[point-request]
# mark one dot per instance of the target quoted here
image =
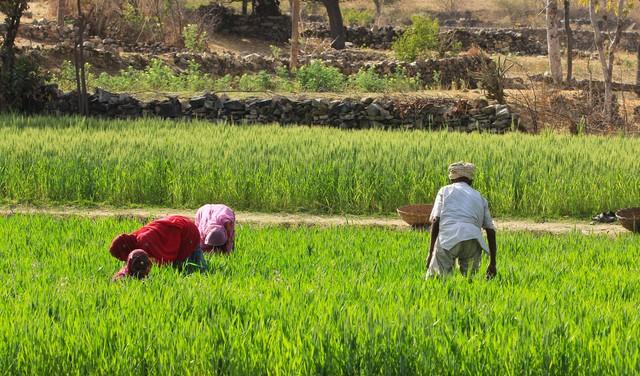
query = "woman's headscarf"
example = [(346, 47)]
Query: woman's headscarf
[(122, 246)]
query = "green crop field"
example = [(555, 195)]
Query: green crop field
[(315, 301), (50, 161)]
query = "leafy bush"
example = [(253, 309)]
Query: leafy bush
[(156, 77), (66, 79), (260, 81), (368, 80), (318, 77), (195, 40), (420, 38), (224, 83), (20, 88), (315, 77), (399, 81), (358, 17)]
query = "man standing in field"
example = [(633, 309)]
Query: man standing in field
[(459, 213), (171, 240)]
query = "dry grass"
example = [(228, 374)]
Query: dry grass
[(583, 67)]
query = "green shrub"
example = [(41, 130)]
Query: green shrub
[(66, 79), (420, 38), (318, 77), (156, 77), (399, 81), (260, 81), (224, 83), (368, 80), (358, 17), (195, 40), (20, 87)]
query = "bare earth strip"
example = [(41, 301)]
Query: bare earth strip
[(278, 219)]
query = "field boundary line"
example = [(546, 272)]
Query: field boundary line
[(301, 219)]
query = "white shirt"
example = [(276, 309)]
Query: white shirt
[(463, 213)]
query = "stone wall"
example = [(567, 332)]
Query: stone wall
[(531, 41), (219, 19), (460, 115), (523, 41), (448, 71)]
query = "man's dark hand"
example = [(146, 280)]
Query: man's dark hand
[(491, 271)]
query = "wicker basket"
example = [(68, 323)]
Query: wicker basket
[(629, 218), (416, 215)]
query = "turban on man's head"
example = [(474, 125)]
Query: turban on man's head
[(216, 236), (138, 264), (122, 246), (462, 170)]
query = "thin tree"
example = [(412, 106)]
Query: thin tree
[(569, 34), (553, 41), (606, 53), (60, 12), (295, 34), (81, 79), (378, 5), (637, 90)]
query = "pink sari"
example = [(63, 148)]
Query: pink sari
[(216, 214)]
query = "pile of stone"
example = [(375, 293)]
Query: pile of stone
[(46, 31), (452, 114)]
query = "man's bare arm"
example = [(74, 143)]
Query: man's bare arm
[(435, 230)]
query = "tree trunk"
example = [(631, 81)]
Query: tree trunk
[(553, 41), (295, 34), (637, 91), (245, 5), (606, 55), (7, 51), (336, 26), (267, 8), (60, 13), (569, 32), (81, 79), (378, 4)]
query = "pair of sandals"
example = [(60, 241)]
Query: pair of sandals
[(605, 217)]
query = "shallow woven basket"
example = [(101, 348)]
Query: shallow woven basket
[(416, 215), (629, 218)]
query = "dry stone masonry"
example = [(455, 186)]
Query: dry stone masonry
[(522, 41), (386, 113), (441, 72)]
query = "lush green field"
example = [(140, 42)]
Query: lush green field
[(50, 161), (315, 301)]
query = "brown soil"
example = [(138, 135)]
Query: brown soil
[(281, 219)]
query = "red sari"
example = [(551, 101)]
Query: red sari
[(168, 239)]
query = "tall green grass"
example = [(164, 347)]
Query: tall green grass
[(300, 169), (315, 301)]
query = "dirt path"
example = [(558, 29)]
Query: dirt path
[(273, 219)]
